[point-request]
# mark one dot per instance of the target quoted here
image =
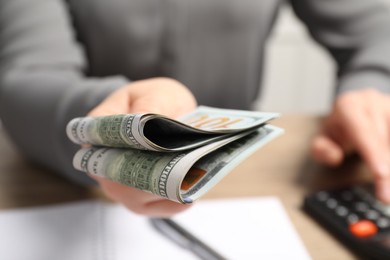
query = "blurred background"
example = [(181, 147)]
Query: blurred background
[(296, 87), (291, 86)]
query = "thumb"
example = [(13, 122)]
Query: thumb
[(326, 151), (116, 103)]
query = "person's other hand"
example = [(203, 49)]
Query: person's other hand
[(359, 122), (158, 95)]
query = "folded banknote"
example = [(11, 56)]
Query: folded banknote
[(176, 159)]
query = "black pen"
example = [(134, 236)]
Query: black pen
[(185, 239)]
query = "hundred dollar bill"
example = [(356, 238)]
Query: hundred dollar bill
[(179, 176), (158, 133)]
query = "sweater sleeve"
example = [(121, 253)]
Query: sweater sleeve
[(42, 82), (357, 34)]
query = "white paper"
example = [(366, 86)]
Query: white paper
[(245, 228), (94, 230), (90, 230)]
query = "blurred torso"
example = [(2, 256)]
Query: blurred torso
[(213, 47)]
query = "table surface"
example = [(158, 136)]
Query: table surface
[(282, 168)]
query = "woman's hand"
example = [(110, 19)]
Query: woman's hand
[(157, 95), (359, 123)]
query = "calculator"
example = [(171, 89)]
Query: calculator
[(355, 217)]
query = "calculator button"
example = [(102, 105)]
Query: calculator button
[(384, 208), (363, 228), (372, 214), (322, 196), (331, 203), (352, 218), (383, 222), (361, 206), (341, 211)]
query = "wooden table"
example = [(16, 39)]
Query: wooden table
[(282, 168)]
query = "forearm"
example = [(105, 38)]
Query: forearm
[(36, 105), (357, 35), (369, 67), (42, 80)]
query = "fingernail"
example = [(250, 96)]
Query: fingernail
[(384, 194), (383, 190), (187, 200), (383, 170)]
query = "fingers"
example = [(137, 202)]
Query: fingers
[(161, 95), (139, 201), (361, 120), (372, 149), (157, 95), (366, 130), (382, 188), (326, 151), (163, 208), (116, 103)]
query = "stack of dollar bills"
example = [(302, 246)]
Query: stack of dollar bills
[(176, 159)]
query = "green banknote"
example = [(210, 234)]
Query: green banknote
[(178, 176), (158, 133)]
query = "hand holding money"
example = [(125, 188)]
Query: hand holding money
[(138, 201), (161, 95), (176, 160), (164, 96)]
